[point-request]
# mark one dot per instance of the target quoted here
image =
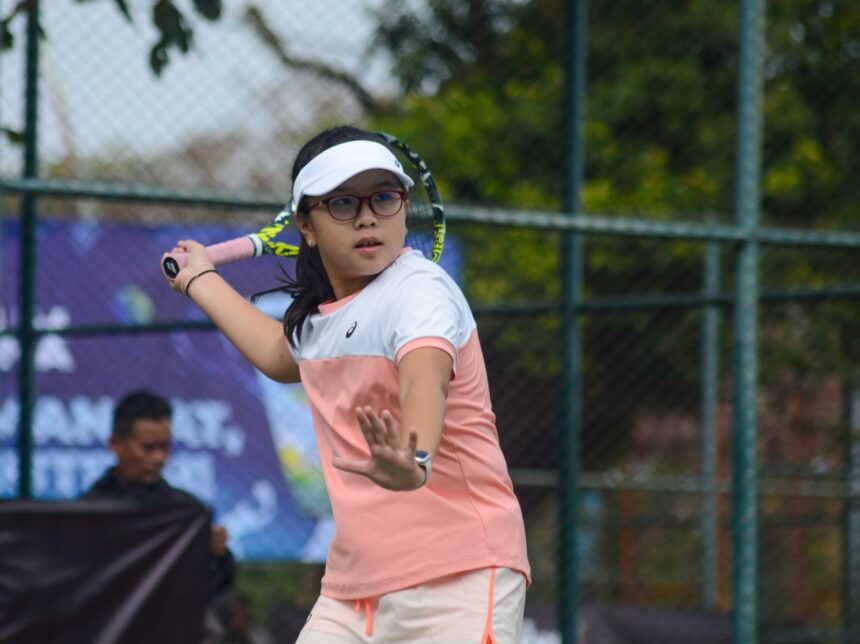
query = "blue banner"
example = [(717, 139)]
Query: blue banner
[(242, 443)]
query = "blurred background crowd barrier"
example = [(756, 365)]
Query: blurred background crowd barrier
[(653, 210)]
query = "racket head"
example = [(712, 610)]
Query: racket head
[(425, 218)]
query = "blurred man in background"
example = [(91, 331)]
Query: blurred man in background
[(141, 440)]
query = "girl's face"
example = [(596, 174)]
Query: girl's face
[(355, 251)]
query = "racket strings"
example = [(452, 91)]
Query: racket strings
[(419, 221), (424, 219)]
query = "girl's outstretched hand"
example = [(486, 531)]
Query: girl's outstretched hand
[(391, 464), (198, 261)]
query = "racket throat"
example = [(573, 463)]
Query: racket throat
[(258, 244)]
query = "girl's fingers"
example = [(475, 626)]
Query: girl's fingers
[(365, 426), (371, 426), (196, 251), (390, 464), (377, 426), (356, 467), (382, 433), (391, 429)]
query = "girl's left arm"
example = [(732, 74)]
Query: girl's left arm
[(425, 374)]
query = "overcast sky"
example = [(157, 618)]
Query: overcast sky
[(98, 92)]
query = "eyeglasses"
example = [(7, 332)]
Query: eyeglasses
[(385, 203)]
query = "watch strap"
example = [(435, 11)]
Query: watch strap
[(423, 460)]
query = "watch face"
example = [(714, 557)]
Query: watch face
[(421, 456)]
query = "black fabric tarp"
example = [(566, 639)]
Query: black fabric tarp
[(102, 572), (643, 625)]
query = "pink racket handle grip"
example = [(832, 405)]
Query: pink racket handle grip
[(220, 254)]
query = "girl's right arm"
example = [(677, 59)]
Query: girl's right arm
[(257, 336)]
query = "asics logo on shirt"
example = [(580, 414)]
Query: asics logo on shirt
[(351, 329)]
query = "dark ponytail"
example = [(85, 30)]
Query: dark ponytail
[(311, 286)]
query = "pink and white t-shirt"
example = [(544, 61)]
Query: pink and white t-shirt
[(467, 516)]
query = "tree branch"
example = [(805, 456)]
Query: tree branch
[(254, 17)]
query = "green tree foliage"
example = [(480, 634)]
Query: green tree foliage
[(483, 99), (487, 77)]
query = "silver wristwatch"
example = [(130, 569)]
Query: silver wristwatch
[(424, 461)]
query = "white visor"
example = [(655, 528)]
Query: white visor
[(330, 168)]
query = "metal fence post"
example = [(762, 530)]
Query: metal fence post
[(571, 335), (26, 335), (746, 296), (710, 390)]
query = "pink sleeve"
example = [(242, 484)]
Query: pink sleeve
[(436, 343)]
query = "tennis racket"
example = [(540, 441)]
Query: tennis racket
[(425, 222)]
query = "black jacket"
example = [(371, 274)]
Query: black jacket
[(111, 486)]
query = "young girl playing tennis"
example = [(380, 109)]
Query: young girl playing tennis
[(429, 543)]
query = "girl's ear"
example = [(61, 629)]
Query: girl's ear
[(304, 225)]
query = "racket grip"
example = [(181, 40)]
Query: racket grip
[(220, 254)]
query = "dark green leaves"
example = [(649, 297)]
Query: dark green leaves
[(123, 7), (7, 40), (210, 9), (174, 30), (172, 24), (13, 136)]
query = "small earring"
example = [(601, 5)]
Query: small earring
[(311, 243)]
